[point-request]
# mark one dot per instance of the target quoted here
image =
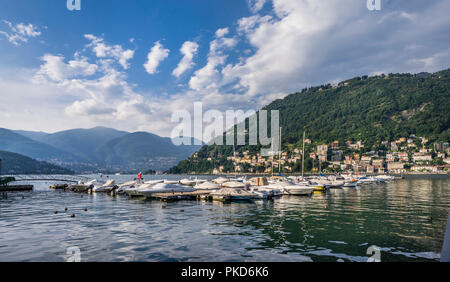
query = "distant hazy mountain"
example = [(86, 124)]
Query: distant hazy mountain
[(13, 163), (82, 143), (143, 150), (34, 135), (16, 143)]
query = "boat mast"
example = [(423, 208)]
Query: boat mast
[(303, 155), (272, 153), (279, 154), (234, 160)]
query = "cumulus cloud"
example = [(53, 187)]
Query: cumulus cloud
[(189, 50), (103, 50), (20, 33), (156, 55), (57, 70), (209, 76)]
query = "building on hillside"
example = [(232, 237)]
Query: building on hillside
[(378, 163), (366, 160), (335, 145), (403, 157), (396, 167), (337, 155), (422, 158), (424, 168)]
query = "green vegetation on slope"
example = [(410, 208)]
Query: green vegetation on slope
[(13, 163)]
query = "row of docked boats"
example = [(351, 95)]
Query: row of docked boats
[(231, 188)]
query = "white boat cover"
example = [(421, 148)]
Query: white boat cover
[(165, 188), (153, 182), (207, 186), (233, 184), (188, 182), (233, 192), (220, 180)]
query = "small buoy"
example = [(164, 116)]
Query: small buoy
[(23, 198), (56, 212), (86, 210), (73, 215), (66, 209), (181, 210)]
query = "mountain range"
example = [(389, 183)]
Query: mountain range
[(96, 149)]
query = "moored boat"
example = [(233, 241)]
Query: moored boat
[(165, 188)]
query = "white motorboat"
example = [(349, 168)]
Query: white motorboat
[(153, 182), (188, 182), (385, 177), (165, 188), (106, 187), (367, 180), (207, 186), (298, 190), (233, 184), (260, 194), (237, 194), (220, 180), (271, 192), (350, 184), (134, 191), (289, 188), (127, 185)]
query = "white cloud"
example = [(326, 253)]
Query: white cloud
[(189, 50), (209, 77), (20, 33), (57, 70), (102, 50), (155, 57), (256, 5)]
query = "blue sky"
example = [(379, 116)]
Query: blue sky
[(131, 64)]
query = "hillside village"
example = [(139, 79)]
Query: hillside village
[(406, 155)]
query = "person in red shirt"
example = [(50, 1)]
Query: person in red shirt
[(140, 176)]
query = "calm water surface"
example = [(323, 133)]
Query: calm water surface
[(405, 219)]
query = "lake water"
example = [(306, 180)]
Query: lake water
[(405, 219)]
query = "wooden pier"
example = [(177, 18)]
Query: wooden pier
[(16, 188), (170, 197)]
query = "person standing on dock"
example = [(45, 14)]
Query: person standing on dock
[(139, 177)]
